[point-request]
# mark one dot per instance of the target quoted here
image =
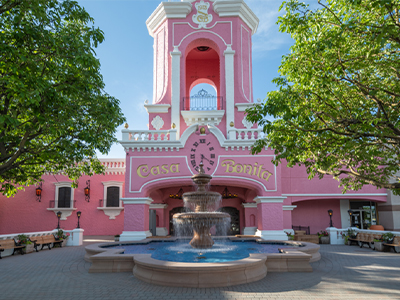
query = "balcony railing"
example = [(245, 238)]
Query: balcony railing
[(203, 101), (53, 202)]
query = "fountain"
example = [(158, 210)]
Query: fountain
[(202, 220)]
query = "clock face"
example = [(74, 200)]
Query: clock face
[(202, 151)]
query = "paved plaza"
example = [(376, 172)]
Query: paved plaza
[(344, 272)]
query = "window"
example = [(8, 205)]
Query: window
[(112, 196), (64, 197)]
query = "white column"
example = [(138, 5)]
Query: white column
[(344, 214), (176, 88), (230, 86), (76, 237)]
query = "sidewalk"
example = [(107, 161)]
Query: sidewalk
[(344, 272)]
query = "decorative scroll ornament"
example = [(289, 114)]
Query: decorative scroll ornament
[(202, 17), (247, 123), (157, 123)]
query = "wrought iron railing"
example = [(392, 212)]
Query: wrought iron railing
[(52, 204), (203, 101)]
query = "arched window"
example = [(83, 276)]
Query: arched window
[(203, 97)]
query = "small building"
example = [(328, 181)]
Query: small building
[(198, 43)]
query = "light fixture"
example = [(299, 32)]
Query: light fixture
[(351, 217), (87, 191), (59, 213), (39, 192), (330, 212), (177, 195), (79, 215), (226, 194)]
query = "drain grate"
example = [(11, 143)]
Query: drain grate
[(201, 257), (251, 248)]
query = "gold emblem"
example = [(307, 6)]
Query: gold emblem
[(202, 18)]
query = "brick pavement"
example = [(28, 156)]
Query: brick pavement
[(344, 272)]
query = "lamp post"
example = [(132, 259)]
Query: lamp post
[(59, 216), (351, 217), (330, 212), (79, 215)]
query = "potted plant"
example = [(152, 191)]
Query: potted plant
[(290, 236), (349, 233), (323, 237), (116, 238), (23, 240), (378, 244), (62, 237)]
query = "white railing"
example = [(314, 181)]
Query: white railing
[(148, 135), (245, 134), (113, 166), (75, 237), (336, 235)]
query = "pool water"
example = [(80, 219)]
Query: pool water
[(222, 251)]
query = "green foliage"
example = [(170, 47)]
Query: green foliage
[(387, 237), (337, 107), (23, 239), (54, 113), (323, 233), (60, 234)]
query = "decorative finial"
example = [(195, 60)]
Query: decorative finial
[(232, 124), (146, 102), (258, 100), (201, 170), (126, 126), (173, 126), (202, 130)]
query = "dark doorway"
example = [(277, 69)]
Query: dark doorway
[(176, 210), (235, 219)]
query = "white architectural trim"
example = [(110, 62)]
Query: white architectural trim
[(167, 10), (112, 183), (260, 199), (161, 231), (249, 205), (202, 117), (249, 230), (289, 207), (344, 214), (111, 212), (65, 212), (230, 86), (237, 8), (279, 235), (241, 61), (332, 195), (137, 201), (134, 235), (157, 108), (176, 88), (243, 106), (158, 206)]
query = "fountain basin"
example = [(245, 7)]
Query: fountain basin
[(107, 260)]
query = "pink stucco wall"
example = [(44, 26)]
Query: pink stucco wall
[(315, 214), (23, 213)]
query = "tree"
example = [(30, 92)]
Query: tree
[(337, 107), (54, 113)]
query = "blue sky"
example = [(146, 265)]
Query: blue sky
[(126, 55)]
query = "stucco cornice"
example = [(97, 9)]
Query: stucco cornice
[(167, 10), (237, 8)]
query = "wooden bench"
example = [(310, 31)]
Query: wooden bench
[(45, 241), (396, 243), (301, 236), (365, 238), (10, 244)]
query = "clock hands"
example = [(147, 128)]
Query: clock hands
[(202, 156)]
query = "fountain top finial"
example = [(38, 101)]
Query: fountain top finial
[(201, 170)]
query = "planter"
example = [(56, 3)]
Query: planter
[(64, 243), (380, 247), (28, 248), (377, 227), (324, 240)]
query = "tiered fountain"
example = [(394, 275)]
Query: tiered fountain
[(204, 216)]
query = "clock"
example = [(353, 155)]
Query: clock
[(202, 151)]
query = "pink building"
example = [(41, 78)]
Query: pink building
[(198, 42)]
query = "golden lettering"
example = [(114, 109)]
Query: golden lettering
[(142, 168), (268, 176), (229, 164), (174, 168), (237, 168), (249, 168), (153, 169), (164, 169)]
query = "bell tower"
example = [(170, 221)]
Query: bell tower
[(201, 41)]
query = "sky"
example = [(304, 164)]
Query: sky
[(126, 55)]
